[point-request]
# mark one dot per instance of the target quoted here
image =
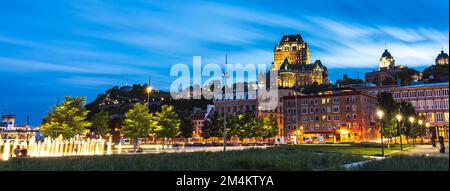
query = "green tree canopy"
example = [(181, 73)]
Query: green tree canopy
[(246, 125), (168, 122), (391, 108), (213, 126), (186, 127), (405, 75), (407, 110), (67, 119), (138, 122), (100, 123), (270, 126)]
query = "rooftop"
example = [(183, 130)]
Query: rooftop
[(426, 85), (292, 38)]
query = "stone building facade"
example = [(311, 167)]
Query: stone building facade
[(293, 48), (334, 116), (431, 101)]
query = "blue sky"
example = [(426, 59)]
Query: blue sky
[(51, 48)]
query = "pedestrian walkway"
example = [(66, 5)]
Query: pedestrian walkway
[(427, 150)]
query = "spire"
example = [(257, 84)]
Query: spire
[(226, 59), (149, 79)]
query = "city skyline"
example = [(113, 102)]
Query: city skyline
[(86, 48)]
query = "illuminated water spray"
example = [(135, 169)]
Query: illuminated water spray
[(57, 147)]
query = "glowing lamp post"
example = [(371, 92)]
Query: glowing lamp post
[(421, 130), (427, 125), (380, 115), (411, 121), (399, 129)]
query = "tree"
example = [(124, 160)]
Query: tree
[(100, 123), (67, 119), (439, 72), (168, 122), (387, 103), (186, 127), (232, 125), (405, 75), (390, 108), (407, 110), (270, 126), (347, 80), (212, 126), (315, 88), (138, 123), (245, 125)]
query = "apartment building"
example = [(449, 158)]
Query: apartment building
[(333, 116)]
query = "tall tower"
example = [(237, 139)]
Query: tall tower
[(386, 61), (293, 48)]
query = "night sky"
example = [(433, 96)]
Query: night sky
[(51, 48)]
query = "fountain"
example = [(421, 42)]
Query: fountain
[(6, 148), (57, 147), (119, 151)]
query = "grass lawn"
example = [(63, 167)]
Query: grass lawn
[(355, 149), (407, 163), (273, 158)]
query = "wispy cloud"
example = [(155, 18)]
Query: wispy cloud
[(22, 65), (89, 81), (343, 44)]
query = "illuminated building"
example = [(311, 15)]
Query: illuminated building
[(334, 116), (387, 61), (387, 70), (292, 60), (11, 130), (293, 48), (442, 58), (292, 75), (430, 101), (197, 117)]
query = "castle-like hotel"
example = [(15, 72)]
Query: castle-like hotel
[(292, 60)]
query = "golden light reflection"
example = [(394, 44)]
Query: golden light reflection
[(56, 147)]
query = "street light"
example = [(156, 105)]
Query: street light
[(148, 90), (399, 129), (421, 130), (433, 143), (380, 115), (225, 76), (411, 120)]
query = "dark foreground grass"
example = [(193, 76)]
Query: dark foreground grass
[(355, 149), (274, 158), (407, 163)]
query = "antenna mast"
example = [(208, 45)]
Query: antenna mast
[(225, 75)]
